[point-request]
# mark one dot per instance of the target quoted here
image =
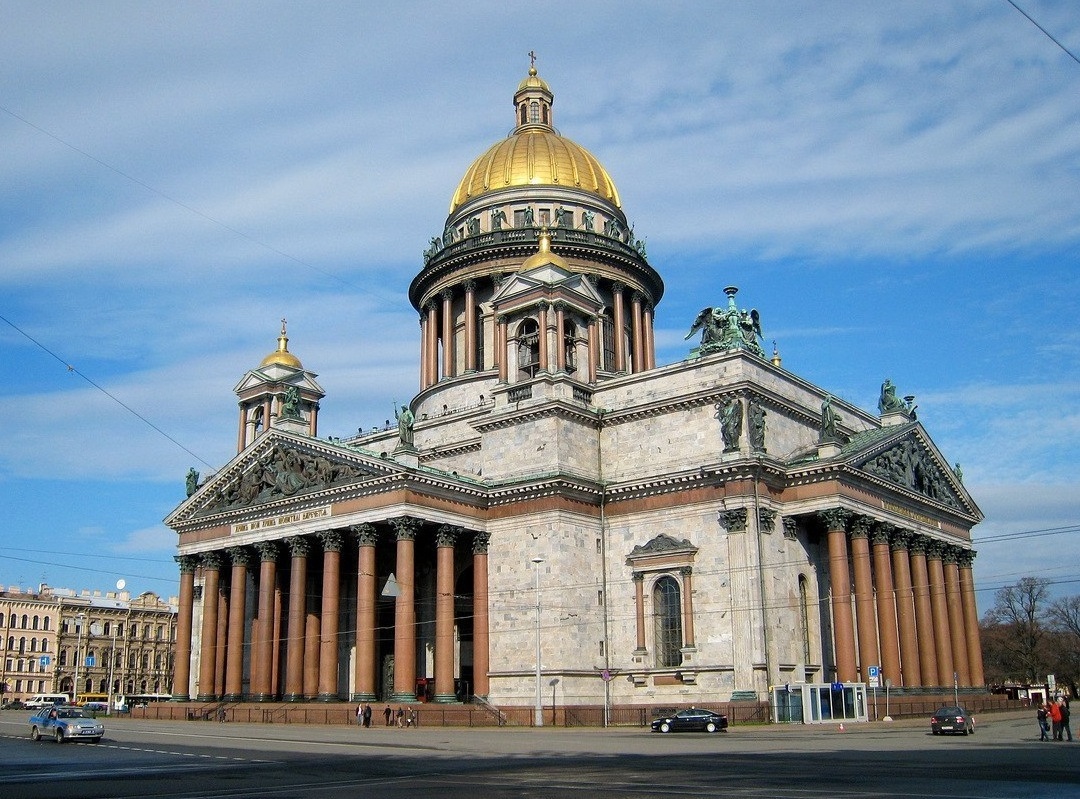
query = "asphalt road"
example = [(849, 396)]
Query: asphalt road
[(171, 760)]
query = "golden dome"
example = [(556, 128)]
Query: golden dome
[(282, 355), (544, 255), (535, 157), (534, 154)]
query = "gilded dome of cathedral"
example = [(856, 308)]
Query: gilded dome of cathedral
[(534, 154)]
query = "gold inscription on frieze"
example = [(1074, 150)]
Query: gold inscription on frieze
[(282, 519), (913, 515)]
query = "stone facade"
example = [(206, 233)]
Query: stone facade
[(689, 531)]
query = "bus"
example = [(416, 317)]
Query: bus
[(125, 702)]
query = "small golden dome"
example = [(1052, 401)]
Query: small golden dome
[(545, 256), (533, 81), (282, 355)]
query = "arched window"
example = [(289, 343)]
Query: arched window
[(1, 619), (44, 644), (105, 630), (22, 646), (36, 622), (523, 117), (25, 621), (528, 348), (33, 645), (134, 630), (667, 621), (62, 658), (45, 623), (534, 111)]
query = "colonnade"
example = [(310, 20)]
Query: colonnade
[(630, 322), (913, 610), (289, 631)]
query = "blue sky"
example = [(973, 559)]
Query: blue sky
[(894, 186)]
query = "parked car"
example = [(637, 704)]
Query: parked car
[(952, 719), (95, 707), (65, 723), (690, 720)]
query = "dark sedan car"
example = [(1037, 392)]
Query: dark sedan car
[(691, 720), (952, 719)]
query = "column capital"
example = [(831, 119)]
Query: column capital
[(734, 520), (299, 546), (686, 571), (331, 540), (480, 542), (469, 284), (790, 527), (212, 560), (638, 297), (918, 544), (617, 286), (638, 577), (366, 534), (240, 556), (900, 539), (880, 533), (446, 294), (835, 519), (966, 558), (446, 535), (860, 526), (935, 550), (187, 563), (268, 550), (405, 527), (950, 553), (766, 519)]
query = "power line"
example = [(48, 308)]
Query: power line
[(113, 397), (1045, 31)]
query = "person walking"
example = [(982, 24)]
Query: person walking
[(388, 713), (400, 717), (1063, 707), (360, 715), (1044, 722), (1055, 720), (367, 715)]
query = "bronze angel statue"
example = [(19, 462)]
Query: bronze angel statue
[(728, 328)]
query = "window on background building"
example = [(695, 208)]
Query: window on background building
[(30, 665), (22, 646), (1, 619), (36, 622), (132, 660), (33, 645), (11, 642), (45, 624), (119, 629), (146, 661), (134, 630), (106, 629), (25, 621), (61, 660), (161, 632), (667, 618), (44, 644)]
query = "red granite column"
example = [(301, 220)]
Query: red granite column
[(470, 325), (299, 549), (650, 337), (865, 612), (405, 529), (481, 657), (444, 612), (924, 619), (234, 663), (311, 641), (910, 672), (619, 323), (637, 343), (639, 611), (560, 334), (448, 332), (500, 349), (971, 617), (263, 646), (545, 350), (840, 587), (594, 349), (364, 675), (181, 689), (940, 613), (431, 358), (423, 350), (222, 639), (211, 564), (886, 605), (956, 615), (328, 625)]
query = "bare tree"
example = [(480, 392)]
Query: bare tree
[(1063, 619), (1018, 613)]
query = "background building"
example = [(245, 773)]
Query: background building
[(553, 510), (113, 644)]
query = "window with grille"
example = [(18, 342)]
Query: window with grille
[(667, 617)]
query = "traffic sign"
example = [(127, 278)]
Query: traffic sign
[(91, 660), (44, 660)]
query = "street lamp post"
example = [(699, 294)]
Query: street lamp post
[(79, 619), (538, 716)]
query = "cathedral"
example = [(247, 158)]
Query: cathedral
[(554, 511)]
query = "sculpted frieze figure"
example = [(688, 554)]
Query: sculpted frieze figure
[(498, 218), (829, 421), (756, 427), (192, 481), (290, 404), (888, 401), (908, 465), (730, 414)]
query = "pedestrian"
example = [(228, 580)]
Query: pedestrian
[(367, 715), (1065, 729), (388, 713), (360, 715), (1055, 719), (400, 717), (1044, 722)]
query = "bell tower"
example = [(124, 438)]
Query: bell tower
[(278, 393)]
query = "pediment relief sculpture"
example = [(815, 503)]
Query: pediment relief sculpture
[(909, 465), (280, 472)]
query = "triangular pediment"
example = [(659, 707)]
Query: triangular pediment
[(547, 277), (906, 457), (281, 466), (278, 375)]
